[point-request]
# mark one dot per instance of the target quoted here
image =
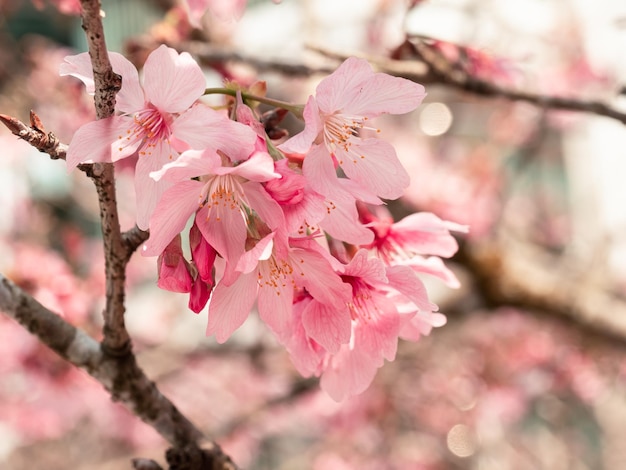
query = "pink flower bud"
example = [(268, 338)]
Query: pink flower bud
[(173, 268), (202, 254)]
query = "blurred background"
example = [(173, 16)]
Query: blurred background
[(530, 370)]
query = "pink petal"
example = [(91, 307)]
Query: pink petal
[(381, 93), (202, 254), (173, 269), (306, 355), (319, 171), (405, 281), (171, 215), (189, 164), (262, 203), (313, 271), (349, 373), (173, 82), (148, 191), (129, 99), (275, 298), (435, 267), (259, 252), (342, 223), (202, 127), (301, 143), (230, 305), (199, 295), (343, 85), (425, 233), (378, 337), (224, 227), (421, 325), (259, 167), (374, 165), (372, 270), (329, 325), (94, 141)]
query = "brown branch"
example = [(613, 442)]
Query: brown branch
[(133, 238), (107, 83), (526, 277), (35, 135), (423, 65), (120, 376)]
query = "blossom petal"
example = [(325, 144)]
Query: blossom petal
[(171, 215), (329, 325), (343, 85), (373, 164), (267, 208), (405, 281), (189, 164), (275, 298), (202, 127), (349, 373), (313, 271), (301, 142), (94, 141), (224, 227), (319, 170), (172, 81), (230, 305), (342, 223), (381, 93), (425, 233), (129, 99), (148, 191)]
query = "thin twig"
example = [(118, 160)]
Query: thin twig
[(36, 136), (427, 66)]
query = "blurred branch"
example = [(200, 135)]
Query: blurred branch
[(420, 63), (423, 64), (526, 277)]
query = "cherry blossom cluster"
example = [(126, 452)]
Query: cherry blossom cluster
[(298, 227)]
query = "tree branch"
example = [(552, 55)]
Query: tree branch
[(519, 275), (420, 64), (120, 376), (107, 83), (423, 64), (36, 135)]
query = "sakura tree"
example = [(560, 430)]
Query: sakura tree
[(285, 215)]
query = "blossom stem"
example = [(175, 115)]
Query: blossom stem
[(295, 109)]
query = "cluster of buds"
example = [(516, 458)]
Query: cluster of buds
[(298, 227)]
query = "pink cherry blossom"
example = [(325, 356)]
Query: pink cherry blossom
[(341, 108), (408, 240), (173, 269), (383, 304), (221, 195), (273, 273), (155, 121)]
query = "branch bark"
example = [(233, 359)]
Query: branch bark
[(121, 376), (420, 64), (107, 83)]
